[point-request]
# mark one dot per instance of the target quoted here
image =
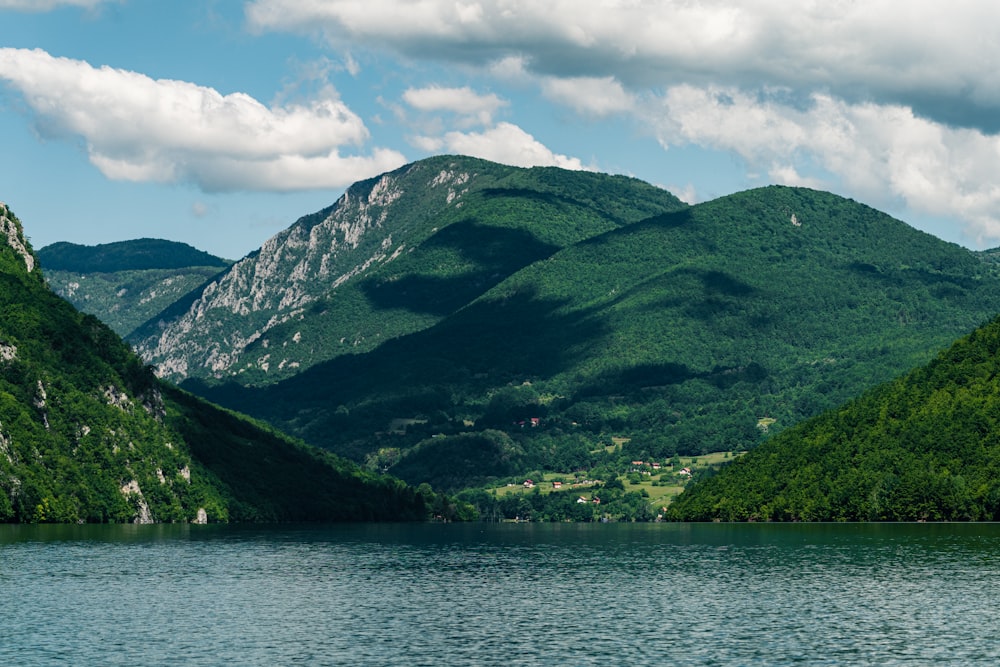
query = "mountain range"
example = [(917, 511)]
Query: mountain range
[(457, 321), (89, 434)]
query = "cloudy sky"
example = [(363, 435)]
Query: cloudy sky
[(220, 122)]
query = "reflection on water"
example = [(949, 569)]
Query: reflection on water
[(572, 594)]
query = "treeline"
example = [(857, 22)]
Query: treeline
[(925, 447)]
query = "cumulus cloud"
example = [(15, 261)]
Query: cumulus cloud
[(140, 129), (501, 142), (464, 102), (938, 58), (506, 143), (686, 193), (596, 96)]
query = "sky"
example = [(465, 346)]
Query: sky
[(218, 123)]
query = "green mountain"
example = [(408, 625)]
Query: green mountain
[(394, 255), (128, 282), (923, 447), (701, 329), (89, 434)]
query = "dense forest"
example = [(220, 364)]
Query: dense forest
[(925, 447), (89, 434)]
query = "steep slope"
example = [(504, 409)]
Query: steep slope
[(88, 434), (923, 447), (126, 283), (694, 331), (394, 255)]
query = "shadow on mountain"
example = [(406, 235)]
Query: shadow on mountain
[(645, 377), (495, 252), (702, 294), (488, 344), (719, 283), (640, 376)]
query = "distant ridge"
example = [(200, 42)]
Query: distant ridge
[(127, 282), (140, 254)]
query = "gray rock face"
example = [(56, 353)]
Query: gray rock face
[(367, 227), (15, 237)]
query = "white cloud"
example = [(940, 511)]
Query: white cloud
[(926, 54), (462, 101), (597, 96), (686, 193), (501, 142), (506, 143), (140, 129), (884, 154), (48, 5)]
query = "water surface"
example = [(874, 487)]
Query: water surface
[(569, 594)]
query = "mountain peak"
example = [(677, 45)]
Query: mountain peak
[(11, 230), (422, 240)]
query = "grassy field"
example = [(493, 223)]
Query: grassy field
[(669, 482)]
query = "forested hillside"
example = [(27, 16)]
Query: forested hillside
[(704, 329), (89, 434), (924, 447)]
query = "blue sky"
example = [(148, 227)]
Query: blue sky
[(220, 122)]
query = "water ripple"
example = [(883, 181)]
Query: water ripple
[(512, 595)]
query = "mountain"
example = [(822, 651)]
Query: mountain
[(705, 328), (127, 282), (394, 255), (89, 434), (925, 447), (137, 255)]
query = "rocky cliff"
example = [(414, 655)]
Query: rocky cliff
[(282, 309)]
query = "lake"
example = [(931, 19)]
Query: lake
[(512, 594)]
